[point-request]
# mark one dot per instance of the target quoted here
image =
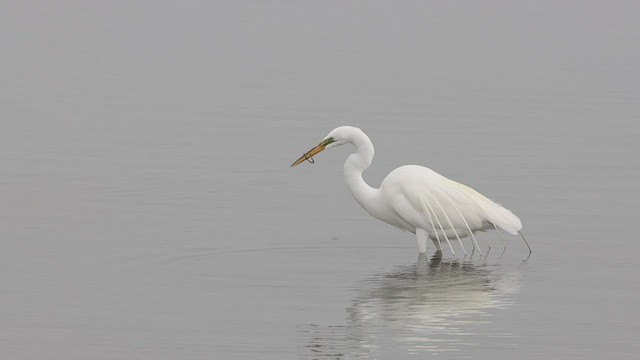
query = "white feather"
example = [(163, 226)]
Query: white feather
[(414, 197), (408, 187)]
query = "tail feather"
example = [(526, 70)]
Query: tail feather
[(502, 218), (491, 212)]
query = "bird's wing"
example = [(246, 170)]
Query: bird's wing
[(430, 200), (488, 210)]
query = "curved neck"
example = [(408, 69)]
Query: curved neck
[(355, 165)]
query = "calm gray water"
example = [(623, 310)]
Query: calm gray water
[(148, 210)]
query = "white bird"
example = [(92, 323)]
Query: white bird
[(417, 199)]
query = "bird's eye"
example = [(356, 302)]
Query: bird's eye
[(328, 141)]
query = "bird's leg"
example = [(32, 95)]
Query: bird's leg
[(450, 224), (422, 237), (525, 241), (436, 259), (422, 267), (437, 243), (504, 247), (488, 245)]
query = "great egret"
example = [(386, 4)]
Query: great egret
[(417, 199)]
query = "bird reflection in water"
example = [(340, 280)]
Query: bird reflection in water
[(431, 306)]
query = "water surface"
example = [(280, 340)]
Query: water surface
[(148, 211)]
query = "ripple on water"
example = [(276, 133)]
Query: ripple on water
[(430, 307)]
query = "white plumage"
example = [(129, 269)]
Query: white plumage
[(417, 199)]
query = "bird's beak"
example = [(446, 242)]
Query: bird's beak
[(308, 156)]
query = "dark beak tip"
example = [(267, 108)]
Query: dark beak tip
[(308, 156), (296, 163)]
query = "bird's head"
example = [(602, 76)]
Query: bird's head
[(338, 136)]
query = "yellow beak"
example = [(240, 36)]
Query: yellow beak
[(308, 156)]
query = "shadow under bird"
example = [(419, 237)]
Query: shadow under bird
[(417, 199)]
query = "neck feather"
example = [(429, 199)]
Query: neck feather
[(355, 165)]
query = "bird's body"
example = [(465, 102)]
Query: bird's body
[(411, 190), (415, 198)]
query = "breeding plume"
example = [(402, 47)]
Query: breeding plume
[(417, 199)]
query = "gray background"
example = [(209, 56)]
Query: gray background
[(148, 212)]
